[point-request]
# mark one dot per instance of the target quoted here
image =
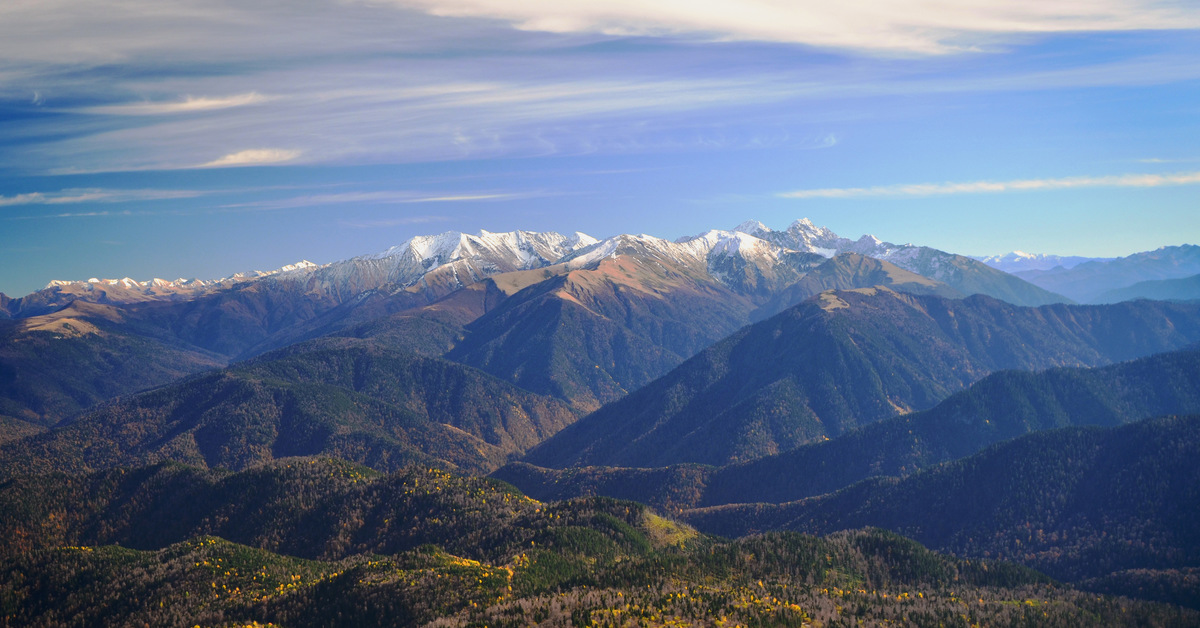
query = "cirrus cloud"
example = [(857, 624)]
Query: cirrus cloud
[(903, 26), (93, 195), (977, 187), (187, 105)]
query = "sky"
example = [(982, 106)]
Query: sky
[(199, 138)]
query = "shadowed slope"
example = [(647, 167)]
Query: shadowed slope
[(1002, 406), (846, 359), (357, 401), (1076, 502)]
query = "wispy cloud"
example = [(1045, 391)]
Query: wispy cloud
[(387, 197), (978, 187), (125, 213), (393, 222), (253, 157), (353, 117), (187, 83), (904, 26), (1159, 160), (187, 105), (92, 195)]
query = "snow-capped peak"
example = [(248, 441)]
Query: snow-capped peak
[(870, 239), (579, 240), (619, 245), (529, 247), (301, 265), (719, 242), (449, 260), (752, 227)]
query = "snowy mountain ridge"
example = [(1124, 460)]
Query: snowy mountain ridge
[(439, 264), (751, 259), (454, 259), (181, 283)]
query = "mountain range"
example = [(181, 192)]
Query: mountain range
[(331, 423), (1017, 261), (1184, 289), (652, 301)]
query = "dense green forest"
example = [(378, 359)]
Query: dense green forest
[(316, 542)]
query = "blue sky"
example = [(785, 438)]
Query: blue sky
[(201, 138)]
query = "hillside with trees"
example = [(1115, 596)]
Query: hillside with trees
[(846, 359), (999, 407), (1076, 503), (389, 550), (351, 398)]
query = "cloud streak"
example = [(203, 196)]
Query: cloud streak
[(253, 157), (386, 197), (142, 86), (187, 105), (92, 195), (394, 222), (341, 115), (984, 187), (898, 26)]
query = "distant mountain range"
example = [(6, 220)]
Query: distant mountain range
[(580, 319), (1018, 261), (59, 293), (750, 258), (1185, 289), (1101, 281)]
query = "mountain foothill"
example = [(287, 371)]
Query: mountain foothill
[(774, 427)]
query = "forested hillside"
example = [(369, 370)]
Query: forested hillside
[(351, 398), (1078, 503), (503, 559), (848, 359), (1002, 406)]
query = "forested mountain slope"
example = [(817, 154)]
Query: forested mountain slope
[(1076, 503), (422, 545), (845, 359), (351, 398), (1002, 406)]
